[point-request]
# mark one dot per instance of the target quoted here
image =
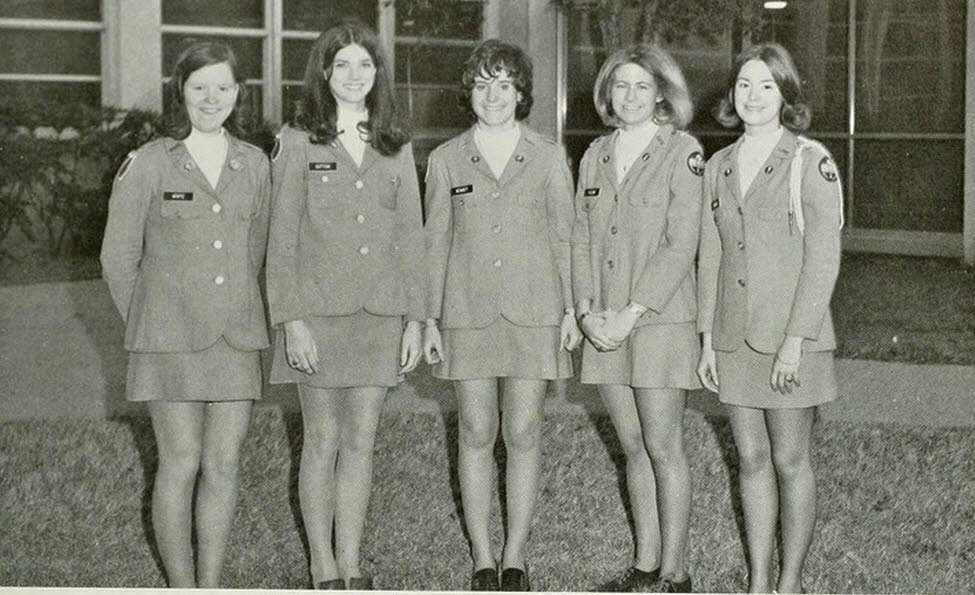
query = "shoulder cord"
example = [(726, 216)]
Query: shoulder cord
[(795, 185)]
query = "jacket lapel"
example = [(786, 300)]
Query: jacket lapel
[(523, 154), (651, 156), (778, 158)]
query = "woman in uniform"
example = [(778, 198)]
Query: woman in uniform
[(343, 287), (185, 240), (634, 240), (769, 257), (499, 300)]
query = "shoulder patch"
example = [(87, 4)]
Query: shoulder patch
[(695, 163), (125, 165), (276, 151), (827, 169)]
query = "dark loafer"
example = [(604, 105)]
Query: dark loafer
[(515, 579), (667, 585), (360, 583), (336, 584), (633, 580), (485, 579)]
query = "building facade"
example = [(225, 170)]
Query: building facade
[(890, 81)]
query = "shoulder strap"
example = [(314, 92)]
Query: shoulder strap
[(795, 183)]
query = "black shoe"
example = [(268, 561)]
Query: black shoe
[(336, 584), (668, 586), (485, 579), (515, 579), (633, 580), (360, 583)]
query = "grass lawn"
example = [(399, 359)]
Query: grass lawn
[(896, 510)]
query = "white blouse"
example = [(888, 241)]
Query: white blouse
[(209, 151), (630, 144), (347, 122), (753, 152), (497, 147)]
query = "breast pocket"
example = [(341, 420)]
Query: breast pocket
[(388, 191), (181, 205)]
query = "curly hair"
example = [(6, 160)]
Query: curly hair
[(316, 109), (491, 57), (175, 121), (794, 115), (676, 107)]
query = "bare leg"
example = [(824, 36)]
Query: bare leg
[(178, 427), (640, 482), (353, 477), (662, 418), (791, 431), (477, 418), (759, 496), (316, 476), (216, 496), (521, 428)]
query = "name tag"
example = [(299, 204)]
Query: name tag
[(592, 192), (457, 190), (322, 166), (180, 196)]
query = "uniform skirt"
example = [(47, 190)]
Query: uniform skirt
[(218, 373), (503, 349), (360, 349), (744, 374), (654, 356)]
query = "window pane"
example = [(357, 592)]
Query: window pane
[(448, 19), (294, 58), (909, 184), (76, 10), (434, 108), (815, 33), (217, 13), (315, 15), (50, 52), (910, 66), (290, 94), (88, 93), (247, 51), (428, 63)]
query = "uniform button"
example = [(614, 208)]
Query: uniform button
[(218, 280), (217, 244), (358, 184), (360, 218), (324, 178), (364, 250), (741, 245), (616, 198), (496, 228), (497, 263), (739, 211), (216, 208), (610, 264), (613, 230), (741, 282), (495, 195)]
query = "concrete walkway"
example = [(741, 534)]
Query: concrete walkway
[(61, 356)]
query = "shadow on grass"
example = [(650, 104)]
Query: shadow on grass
[(295, 435), (721, 428), (141, 429)]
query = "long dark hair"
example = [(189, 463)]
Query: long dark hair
[(175, 119), (795, 115), (316, 110)]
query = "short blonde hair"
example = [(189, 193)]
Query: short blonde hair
[(676, 107)]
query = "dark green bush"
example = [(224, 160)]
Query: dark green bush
[(57, 164)]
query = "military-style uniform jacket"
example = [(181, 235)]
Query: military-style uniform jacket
[(181, 258), (498, 247), (635, 241), (761, 278), (343, 237)]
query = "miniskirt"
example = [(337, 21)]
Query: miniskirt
[(503, 349), (744, 375), (653, 356), (218, 373), (360, 349)]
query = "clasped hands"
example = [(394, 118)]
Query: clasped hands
[(608, 329)]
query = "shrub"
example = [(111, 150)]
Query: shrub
[(57, 164)]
